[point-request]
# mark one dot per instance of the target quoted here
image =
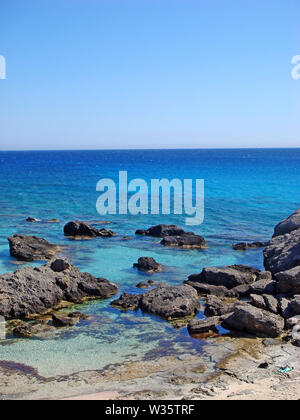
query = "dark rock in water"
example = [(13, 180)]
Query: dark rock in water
[(199, 326), (288, 225), (216, 307), (33, 290), (83, 229), (263, 286), (147, 264), (64, 321), (243, 246), (32, 220), (186, 240), (127, 302), (283, 253), (288, 282), (27, 330), (229, 276), (144, 285), (31, 248), (160, 231), (174, 236), (254, 321), (171, 301), (266, 302), (208, 289), (79, 315)]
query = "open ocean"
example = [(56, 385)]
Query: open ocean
[(247, 192)]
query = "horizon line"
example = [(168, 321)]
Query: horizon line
[(147, 149)]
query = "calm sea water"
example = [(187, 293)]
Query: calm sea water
[(246, 193)]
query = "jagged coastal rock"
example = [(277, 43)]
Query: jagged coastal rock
[(83, 229), (147, 264), (174, 236), (283, 253), (31, 248), (288, 225), (33, 290)]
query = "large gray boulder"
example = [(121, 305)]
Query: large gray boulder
[(288, 225), (229, 276), (171, 302), (288, 282), (255, 321), (33, 290), (31, 248), (283, 253), (83, 229)]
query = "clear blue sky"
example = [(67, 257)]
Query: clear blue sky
[(149, 73)]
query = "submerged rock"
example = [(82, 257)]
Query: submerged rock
[(31, 248), (171, 301), (147, 264), (255, 321), (283, 253), (64, 321), (208, 289), (33, 290), (199, 326), (288, 225), (32, 220), (243, 246), (77, 228)]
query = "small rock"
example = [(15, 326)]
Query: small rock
[(147, 264), (198, 326), (63, 321)]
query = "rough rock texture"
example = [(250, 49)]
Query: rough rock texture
[(217, 307), (288, 225), (145, 285), (127, 302), (171, 301), (263, 286), (147, 264), (78, 228), (229, 277), (288, 282), (267, 302), (198, 326), (160, 231), (33, 290), (30, 248), (243, 246), (254, 321), (186, 240), (283, 253)]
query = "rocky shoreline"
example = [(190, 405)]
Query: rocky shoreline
[(245, 301)]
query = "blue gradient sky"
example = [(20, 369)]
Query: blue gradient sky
[(149, 73)]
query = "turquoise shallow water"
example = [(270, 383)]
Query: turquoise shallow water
[(246, 193)]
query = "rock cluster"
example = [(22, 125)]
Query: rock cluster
[(174, 236), (34, 290)]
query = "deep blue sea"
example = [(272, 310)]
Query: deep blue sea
[(247, 191)]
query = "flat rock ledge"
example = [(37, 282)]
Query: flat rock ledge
[(147, 264), (243, 246), (31, 248), (168, 302), (83, 229), (174, 236), (34, 290)]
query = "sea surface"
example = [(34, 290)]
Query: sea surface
[(247, 192)]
